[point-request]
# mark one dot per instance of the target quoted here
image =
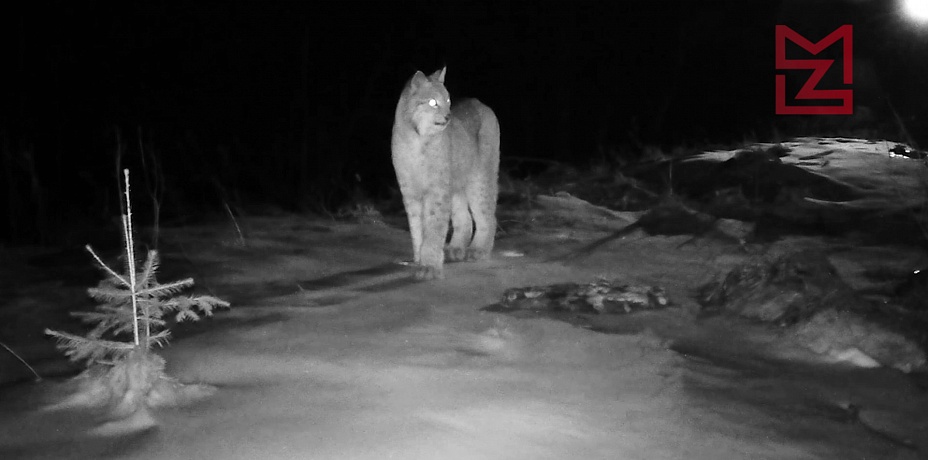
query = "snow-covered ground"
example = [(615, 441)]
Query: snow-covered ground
[(331, 352)]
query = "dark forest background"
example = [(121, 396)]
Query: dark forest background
[(289, 105)]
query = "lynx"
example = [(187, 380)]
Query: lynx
[(447, 164)]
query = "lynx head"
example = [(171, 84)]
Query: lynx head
[(426, 103)]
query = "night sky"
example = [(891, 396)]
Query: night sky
[(291, 103)]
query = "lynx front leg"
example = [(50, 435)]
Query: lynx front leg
[(435, 214), (414, 215), (461, 227)]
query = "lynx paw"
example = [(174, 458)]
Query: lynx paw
[(425, 272), (477, 254), (455, 254)]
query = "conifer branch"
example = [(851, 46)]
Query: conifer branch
[(165, 290), (106, 267), (160, 339), (115, 320), (108, 294), (78, 348), (150, 268)]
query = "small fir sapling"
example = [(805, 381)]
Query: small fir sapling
[(128, 376)]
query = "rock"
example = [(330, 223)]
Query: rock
[(803, 291), (832, 333), (784, 290)]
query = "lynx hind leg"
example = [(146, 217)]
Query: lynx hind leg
[(482, 200), (461, 228), (435, 215), (483, 191)]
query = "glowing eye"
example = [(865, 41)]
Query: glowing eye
[(433, 103)]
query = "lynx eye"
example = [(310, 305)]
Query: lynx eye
[(433, 103)]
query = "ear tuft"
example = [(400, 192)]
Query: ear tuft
[(439, 75)]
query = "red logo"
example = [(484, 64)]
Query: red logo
[(818, 68)]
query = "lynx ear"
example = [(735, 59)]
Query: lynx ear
[(418, 79), (439, 75)]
